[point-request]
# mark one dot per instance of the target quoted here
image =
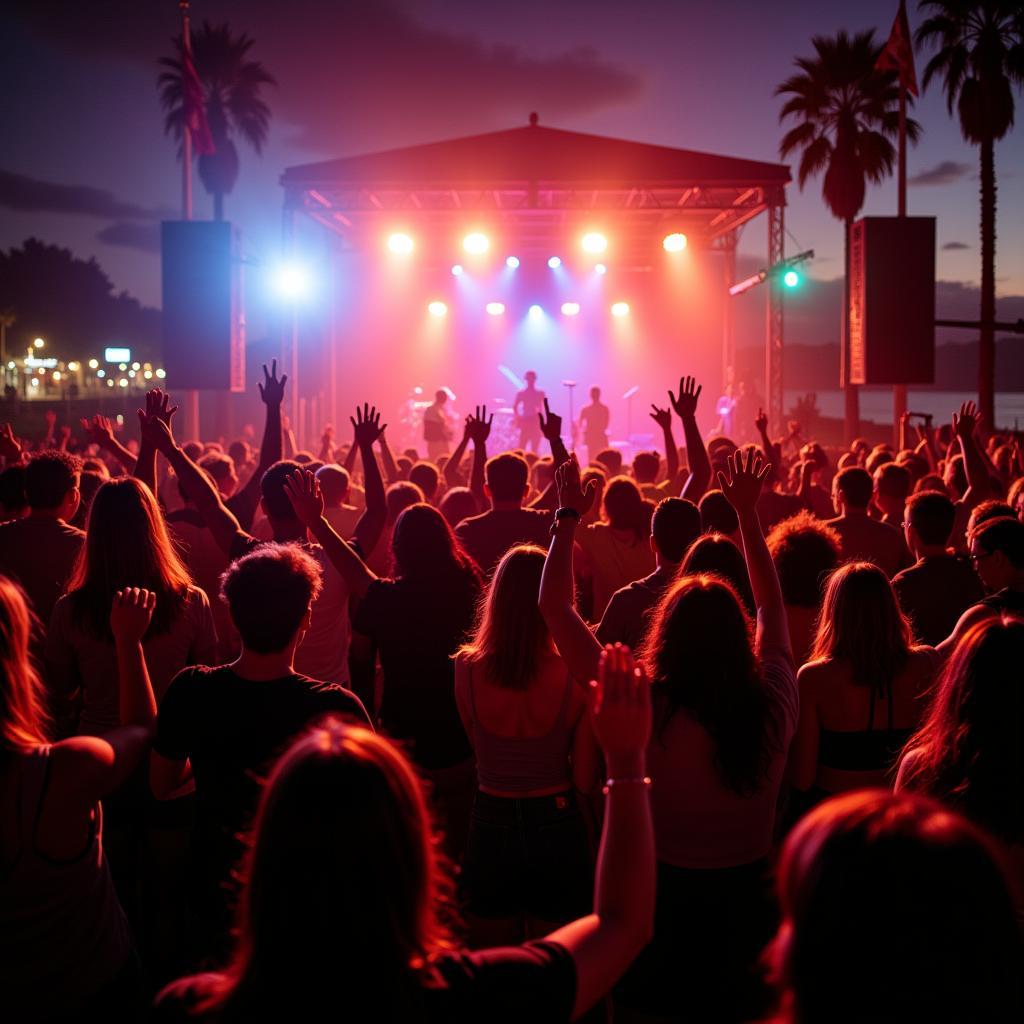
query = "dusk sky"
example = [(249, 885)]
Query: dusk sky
[(81, 109)]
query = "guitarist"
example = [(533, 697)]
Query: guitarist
[(528, 405), (594, 420)]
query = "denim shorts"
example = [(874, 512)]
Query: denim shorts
[(528, 856)]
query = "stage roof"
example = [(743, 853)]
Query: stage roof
[(534, 182)]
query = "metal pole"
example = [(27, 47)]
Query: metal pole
[(774, 322), (190, 398), (899, 391)]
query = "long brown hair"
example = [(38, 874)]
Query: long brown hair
[(24, 720), (510, 635), (344, 881), (126, 545), (861, 624), (625, 507)]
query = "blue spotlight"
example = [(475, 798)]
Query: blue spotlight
[(554, 263), (512, 261), (456, 270)]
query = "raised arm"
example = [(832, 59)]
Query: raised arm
[(370, 526), (100, 432), (452, 476), (663, 417), (603, 944), (145, 465), (197, 485), (772, 451), (272, 445), (391, 474), (10, 447), (551, 428), (327, 444), (742, 487), (304, 493), (979, 484), (573, 638), (696, 454), (479, 426)]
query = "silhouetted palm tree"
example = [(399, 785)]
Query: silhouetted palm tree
[(846, 114), (980, 57), (231, 86)]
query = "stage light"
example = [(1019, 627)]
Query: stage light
[(291, 281), (600, 268), (34, 382), (39, 343), (457, 270), (512, 261), (74, 366), (570, 308), (400, 244), (620, 309), (122, 383), (476, 243), (536, 311), (495, 308), (676, 242), (93, 363), (110, 382), (791, 279), (161, 374), (148, 374), (594, 242), (101, 373), (56, 375), (437, 309), (554, 263)]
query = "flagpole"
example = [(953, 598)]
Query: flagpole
[(899, 391), (190, 397)]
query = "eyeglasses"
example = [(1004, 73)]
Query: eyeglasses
[(977, 556)]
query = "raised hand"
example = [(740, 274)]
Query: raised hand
[(551, 427), (131, 613), (571, 493), (156, 432), (761, 423), (157, 403), (51, 418), (9, 446), (272, 389), (307, 499), (663, 417), (966, 423), (478, 425), (366, 425), (621, 709), (98, 430), (686, 404), (742, 486)]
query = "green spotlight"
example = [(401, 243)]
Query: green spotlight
[(791, 279)]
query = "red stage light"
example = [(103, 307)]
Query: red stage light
[(594, 242), (676, 242), (437, 309), (620, 309), (476, 243), (400, 244)]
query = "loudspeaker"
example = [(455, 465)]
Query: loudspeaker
[(892, 300), (203, 326)]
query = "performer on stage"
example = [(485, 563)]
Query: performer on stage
[(528, 405), (594, 424), (436, 430)]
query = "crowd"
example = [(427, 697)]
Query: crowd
[(727, 734)]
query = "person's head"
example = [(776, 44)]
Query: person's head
[(13, 503), (610, 459), (595, 394), (274, 498), (270, 594), (967, 750), (510, 634), (530, 377), (716, 554), (892, 485), (813, 453), (403, 464), (878, 458), (955, 476), (542, 472), (988, 510), (928, 522), (1015, 497), (699, 655), (997, 550), (24, 720), (51, 483), (425, 549), (343, 881), (240, 454), (194, 450), (916, 465), (458, 504), (600, 481), (335, 484), (931, 482), (399, 496), (507, 478), (126, 545), (861, 624), (675, 525), (717, 515), (440, 397), (805, 552), (851, 490), (893, 908), (625, 507), (222, 470), (97, 466), (645, 467), (88, 484), (426, 477)]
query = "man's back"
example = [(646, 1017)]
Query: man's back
[(40, 553), (628, 614), (866, 539), (935, 592), (488, 536)]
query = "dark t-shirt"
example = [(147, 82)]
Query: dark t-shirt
[(935, 592), (488, 536), (40, 552), (231, 729), (628, 614), (1005, 601), (774, 506), (416, 629), (535, 982)]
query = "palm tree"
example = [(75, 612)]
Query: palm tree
[(980, 57), (846, 114), (231, 86)]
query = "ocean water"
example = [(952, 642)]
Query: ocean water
[(876, 404)]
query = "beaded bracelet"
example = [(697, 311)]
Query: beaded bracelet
[(638, 780)]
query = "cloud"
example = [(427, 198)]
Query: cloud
[(941, 174), (953, 246), (33, 195), (132, 235)]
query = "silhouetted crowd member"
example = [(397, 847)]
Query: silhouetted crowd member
[(402, 648)]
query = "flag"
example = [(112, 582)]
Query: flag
[(193, 108), (898, 54)]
